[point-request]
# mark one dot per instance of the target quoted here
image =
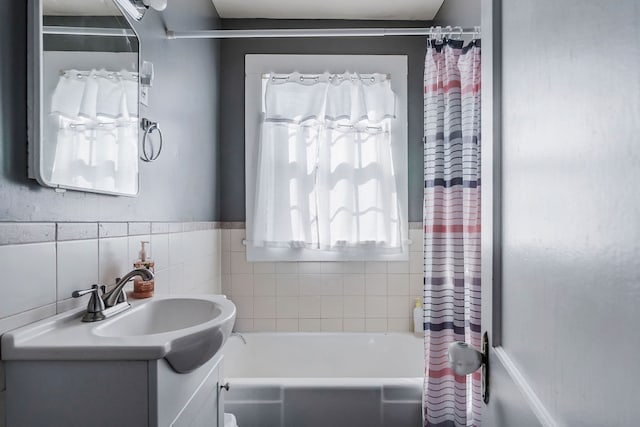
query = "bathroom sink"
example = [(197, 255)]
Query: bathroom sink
[(160, 316), (187, 331)]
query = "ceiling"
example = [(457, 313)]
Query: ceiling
[(413, 10)]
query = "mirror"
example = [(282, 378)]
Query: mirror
[(83, 100)]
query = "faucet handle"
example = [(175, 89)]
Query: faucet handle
[(79, 293), (95, 307)]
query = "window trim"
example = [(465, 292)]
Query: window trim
[(255, 67)]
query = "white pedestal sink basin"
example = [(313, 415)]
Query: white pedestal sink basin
[(160, 316), (187, 331)]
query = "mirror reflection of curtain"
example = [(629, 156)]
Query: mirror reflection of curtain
[(96, 119), (325, 176)]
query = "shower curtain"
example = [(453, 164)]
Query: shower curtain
[(451, 228)]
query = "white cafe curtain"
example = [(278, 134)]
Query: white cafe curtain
[(325, 176)]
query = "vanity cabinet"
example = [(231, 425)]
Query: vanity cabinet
[(112, 393)]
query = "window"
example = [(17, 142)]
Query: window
[(326, 158)]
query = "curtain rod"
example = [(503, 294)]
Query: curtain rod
[(324, 32), (285, 76), (88, 31)]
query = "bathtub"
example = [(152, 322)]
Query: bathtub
[(324, 379)]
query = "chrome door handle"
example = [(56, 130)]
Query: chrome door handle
[(465, 360)]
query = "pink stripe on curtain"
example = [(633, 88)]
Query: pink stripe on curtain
[(451, 229)]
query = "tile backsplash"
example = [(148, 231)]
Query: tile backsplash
[(320, 296), (42, 263)]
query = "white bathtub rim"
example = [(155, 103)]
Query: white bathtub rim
[(325, 355), (325, 333), (345, 382)]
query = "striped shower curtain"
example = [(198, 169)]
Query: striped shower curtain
[(451, 228)]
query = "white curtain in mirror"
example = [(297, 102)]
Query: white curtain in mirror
[(95, 114), (325, 175)]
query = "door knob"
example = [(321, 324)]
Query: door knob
[(465, 360)]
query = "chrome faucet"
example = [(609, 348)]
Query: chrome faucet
[(109, 303), (116, 294)]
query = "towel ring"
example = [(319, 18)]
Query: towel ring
[(148, 127)]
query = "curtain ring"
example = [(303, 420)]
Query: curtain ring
[(460, 31), (448, 32), (148, 127), (438, 37)]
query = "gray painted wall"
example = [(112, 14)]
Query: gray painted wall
[(181, 185), (232, 96), (188, 182), (571, 269)]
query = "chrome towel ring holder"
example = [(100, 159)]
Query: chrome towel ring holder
[(148, 127)]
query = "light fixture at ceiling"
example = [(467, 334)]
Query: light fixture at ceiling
[(137, 8)]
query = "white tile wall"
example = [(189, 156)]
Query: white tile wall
[(113, 259), (28, 277), (160, 249), (161, 282), (353, 325), (38, 278), (76, 268), (200, 249), (321, 296)]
